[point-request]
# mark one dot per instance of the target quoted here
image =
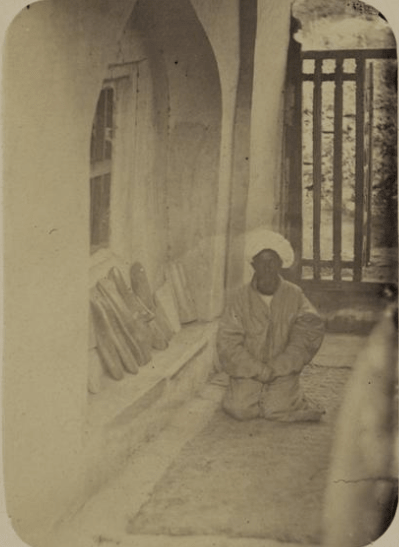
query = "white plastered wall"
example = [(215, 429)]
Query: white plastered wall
[(57, 56)]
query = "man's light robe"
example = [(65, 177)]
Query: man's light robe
[(263, 349)]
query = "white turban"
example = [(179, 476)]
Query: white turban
[(259, 239)]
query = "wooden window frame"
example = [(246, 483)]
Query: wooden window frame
[(101, 170)]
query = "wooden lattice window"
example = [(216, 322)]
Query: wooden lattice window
[(100, 170)]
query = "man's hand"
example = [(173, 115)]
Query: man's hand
[(266, 375), (285, 364)]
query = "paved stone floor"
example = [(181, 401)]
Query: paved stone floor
[(129, 511), (250, 479)]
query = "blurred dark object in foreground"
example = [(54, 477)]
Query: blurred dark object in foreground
[(362, 489), (389, 292)]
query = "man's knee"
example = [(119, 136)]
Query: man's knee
[(241, 400), (241, 412)]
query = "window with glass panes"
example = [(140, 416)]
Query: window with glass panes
[(100, 170)]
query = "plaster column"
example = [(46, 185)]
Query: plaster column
[(216, 299), (221, 23), (271, 47)]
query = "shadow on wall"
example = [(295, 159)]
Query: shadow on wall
[(193, 149)]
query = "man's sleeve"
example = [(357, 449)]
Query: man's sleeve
[(234, 357), (304, 341)]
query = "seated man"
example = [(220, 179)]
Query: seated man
[(267, 334)]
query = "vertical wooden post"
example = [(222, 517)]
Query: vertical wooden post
[(296, 164), (317, 168), (359, 175), (370, 83), (291, 187), (337, 173)]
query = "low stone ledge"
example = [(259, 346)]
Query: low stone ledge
[(138, 391), (130, 412)]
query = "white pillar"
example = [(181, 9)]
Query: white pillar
[(272, 39), (216, 299), (222, 26)]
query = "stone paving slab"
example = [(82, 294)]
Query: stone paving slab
[(339, 350)]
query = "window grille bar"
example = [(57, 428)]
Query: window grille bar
[(296, 166), (330, 77), (94, 206), (359, 170), (100, 168), (99, 128), (107, 122), (337, 171), (370, 162), (328, 263), (360, 54), (317, 173)]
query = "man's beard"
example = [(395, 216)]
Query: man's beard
[(267, 287)]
